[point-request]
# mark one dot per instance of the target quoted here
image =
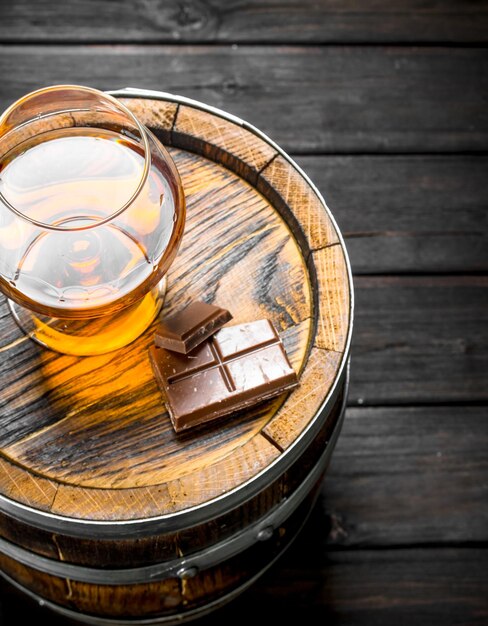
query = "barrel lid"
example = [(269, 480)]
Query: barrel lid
[(88, 441)]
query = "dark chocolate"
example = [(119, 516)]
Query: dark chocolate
[(237, 367), (187, 329)]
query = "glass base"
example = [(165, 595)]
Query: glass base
[(91, 336)]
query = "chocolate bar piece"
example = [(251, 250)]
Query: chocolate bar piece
[(187, 329), (237, 367)]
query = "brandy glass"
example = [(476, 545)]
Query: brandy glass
[(92, 212)]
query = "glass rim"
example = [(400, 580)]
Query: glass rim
[(124, 109)]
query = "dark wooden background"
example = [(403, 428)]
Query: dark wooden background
[(384, 103)]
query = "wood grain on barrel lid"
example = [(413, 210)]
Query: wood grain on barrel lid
[(223, 141), (202, 484), (305, 401), (25, 487), (159, 115), (334, 298), (290, 192), (95, 429)]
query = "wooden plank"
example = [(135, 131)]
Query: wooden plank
[(331, 99), (325, 21), (407, 476), (403, 214), (422, 586), (419, 340)]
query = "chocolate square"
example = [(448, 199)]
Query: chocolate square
[(237, 367)]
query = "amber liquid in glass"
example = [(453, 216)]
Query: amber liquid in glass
[(72, 178)]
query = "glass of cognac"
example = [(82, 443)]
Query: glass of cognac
[(92, 213)]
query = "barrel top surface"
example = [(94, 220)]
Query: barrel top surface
[(89, 437)]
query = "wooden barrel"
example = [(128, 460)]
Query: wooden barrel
[(107, 515)]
